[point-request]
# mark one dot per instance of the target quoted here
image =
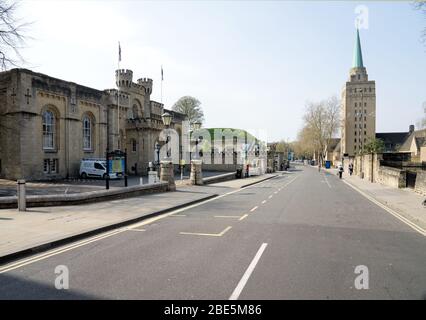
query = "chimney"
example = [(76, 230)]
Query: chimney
[(411, 128)]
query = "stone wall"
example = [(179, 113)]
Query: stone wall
[(392, 177), (421, 182), (221, 167)]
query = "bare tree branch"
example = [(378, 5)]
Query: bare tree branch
[(321, 125), (420, 5), (12, 35)]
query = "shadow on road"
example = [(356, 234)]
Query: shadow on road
[(16, 288)]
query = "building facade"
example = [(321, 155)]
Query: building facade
[(47, 125), (358, 112)]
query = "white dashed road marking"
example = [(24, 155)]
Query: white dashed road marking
[(247, 274)]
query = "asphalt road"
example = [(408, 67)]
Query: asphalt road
[(297, 236)]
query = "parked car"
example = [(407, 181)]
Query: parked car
[(95, 168)]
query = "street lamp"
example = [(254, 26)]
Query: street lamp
[(157, 149), (196, 125), (167, 119)]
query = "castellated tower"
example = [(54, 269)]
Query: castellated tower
[(123, 79), (358, 107), (147, 83)]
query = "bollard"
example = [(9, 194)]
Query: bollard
[(22, 205)]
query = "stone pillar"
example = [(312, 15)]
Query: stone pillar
[(152, 177), (196, 176), (167, 174), (22, 205)]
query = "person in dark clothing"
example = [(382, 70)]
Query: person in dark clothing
[(340, 172), (351, 168)]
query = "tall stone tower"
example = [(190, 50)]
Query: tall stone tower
[(358, 106)]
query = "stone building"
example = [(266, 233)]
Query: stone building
[(358, 106), (415, 144), (47, 125)]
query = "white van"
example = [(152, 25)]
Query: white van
[(95, 168)]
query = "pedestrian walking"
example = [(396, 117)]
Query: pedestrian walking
[(340, 171), (351, 168)]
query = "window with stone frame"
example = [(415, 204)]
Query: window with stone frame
[(54, 166), (49, 122), (46, 165), (87, 133), (50, 166)]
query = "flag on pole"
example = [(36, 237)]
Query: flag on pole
[(119, 51), (162, 77)]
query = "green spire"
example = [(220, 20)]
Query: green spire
[(357, 61)]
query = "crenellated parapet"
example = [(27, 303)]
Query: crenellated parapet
[(146, 83), (123, 78), (113, 94)]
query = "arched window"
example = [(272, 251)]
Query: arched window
[(130, 114), (48, 130), (87, 133), (135, 111)]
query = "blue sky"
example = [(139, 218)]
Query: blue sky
[(253, 65)]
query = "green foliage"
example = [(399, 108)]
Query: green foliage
[(374, 146), (191, 107)]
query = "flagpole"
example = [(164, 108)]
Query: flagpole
[(118, 97), (161, 98)]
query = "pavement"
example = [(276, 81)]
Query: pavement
[(404, 202), (39, 227), (8, 187), (300, 235)]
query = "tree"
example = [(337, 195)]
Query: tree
[(421, 6), (191, 107), (374, 146), (321, 125), (12, 36)]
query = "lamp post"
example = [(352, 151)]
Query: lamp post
[(157, 149), (197, 126), (196, 176), (166, 166), (167, 119)]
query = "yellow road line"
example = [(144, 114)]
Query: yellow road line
[(234, 217), (208, 234), (134, 229)]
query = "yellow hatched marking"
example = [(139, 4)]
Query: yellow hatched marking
[(208, 234)]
